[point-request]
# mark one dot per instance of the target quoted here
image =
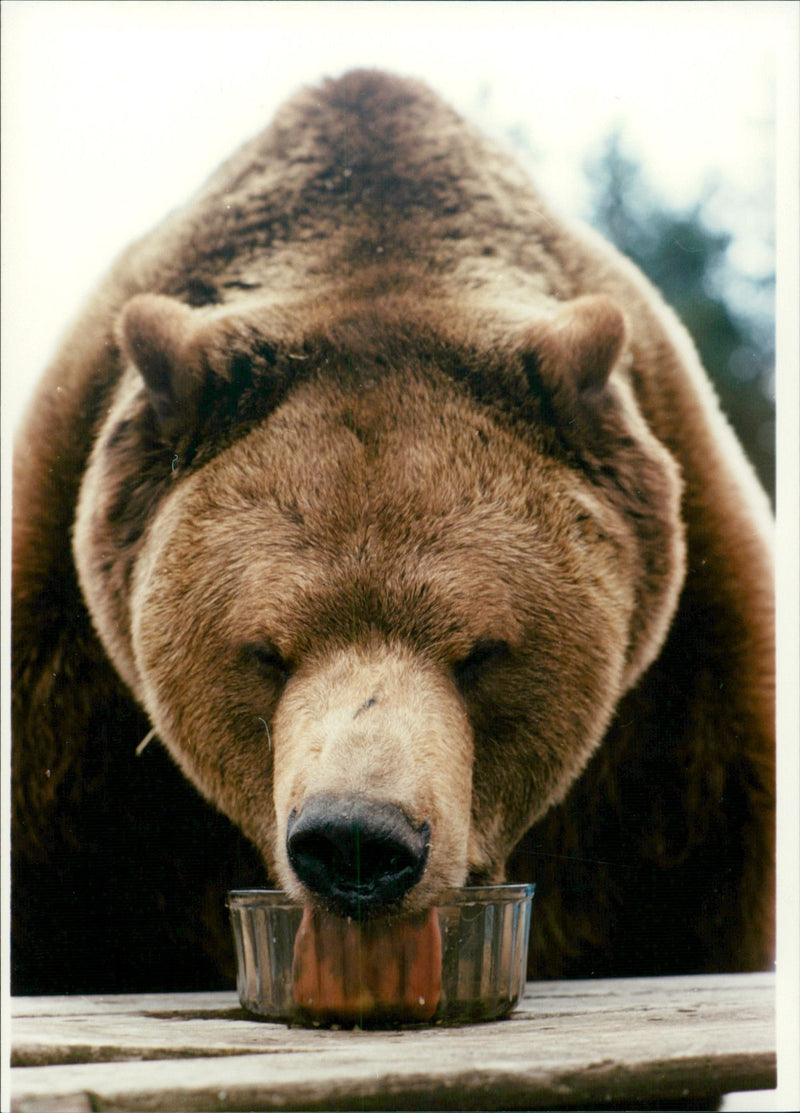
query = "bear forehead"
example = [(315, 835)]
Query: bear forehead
[(404, 498), (397, 441)]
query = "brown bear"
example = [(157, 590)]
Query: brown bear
[(400, 515)]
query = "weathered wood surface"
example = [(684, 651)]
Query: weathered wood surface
[(570, 1043)]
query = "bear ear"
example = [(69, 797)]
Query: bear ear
[(574, 352), (161, 336)]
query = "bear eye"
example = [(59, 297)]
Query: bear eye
[(268, 660), (485, 653)]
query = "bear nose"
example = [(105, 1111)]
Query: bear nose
[(359, 855)]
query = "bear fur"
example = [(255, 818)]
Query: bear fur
[(366, 476)]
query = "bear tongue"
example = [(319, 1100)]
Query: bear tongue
[(382, 971)]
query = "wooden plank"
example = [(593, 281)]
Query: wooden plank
[(570, 1044), (120, 1003)]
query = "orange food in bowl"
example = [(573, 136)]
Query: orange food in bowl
[(387, 971)]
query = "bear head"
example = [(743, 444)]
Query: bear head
[(379, 579)]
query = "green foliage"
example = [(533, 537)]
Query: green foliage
[(687, 261)]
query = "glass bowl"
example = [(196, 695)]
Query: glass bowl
[(460, 962)]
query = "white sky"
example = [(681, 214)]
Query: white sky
[(113, 113)]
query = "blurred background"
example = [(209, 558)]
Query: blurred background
[(655, 122), (659, 123)]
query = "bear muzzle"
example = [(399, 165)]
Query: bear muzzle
[(372, 783), (359, 856)]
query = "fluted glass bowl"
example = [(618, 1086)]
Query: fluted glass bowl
[(461, 962)]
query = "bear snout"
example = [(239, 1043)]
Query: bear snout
[(358, 855)]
